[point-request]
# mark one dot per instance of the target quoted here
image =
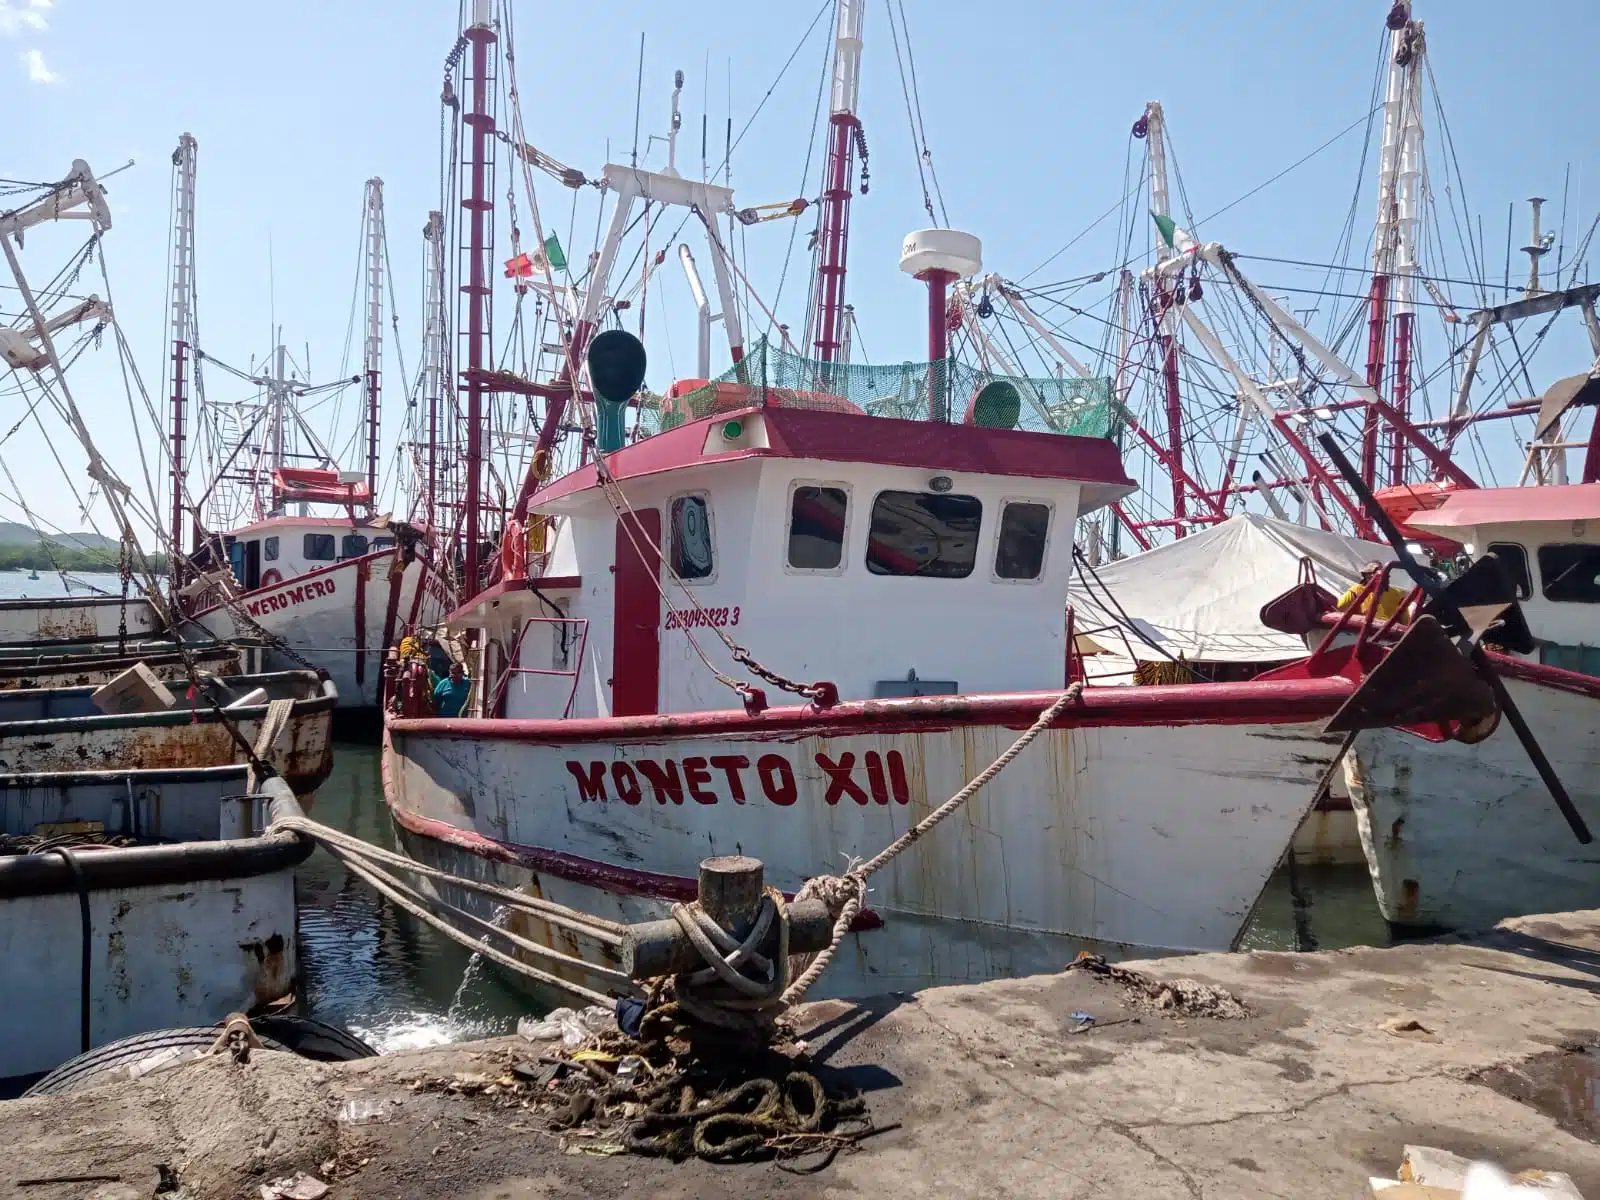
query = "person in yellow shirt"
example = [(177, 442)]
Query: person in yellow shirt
[(1388, 601)]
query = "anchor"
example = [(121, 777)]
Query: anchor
[(1437, 680)]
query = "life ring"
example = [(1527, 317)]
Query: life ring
[(270, 576), (513, 552)]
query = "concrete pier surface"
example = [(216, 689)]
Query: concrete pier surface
[(1475, 1045)]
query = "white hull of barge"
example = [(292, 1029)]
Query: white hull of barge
[(194, 923), (162, 957), (1459, 837), (75, 619), (341, 619), (1103, 838)]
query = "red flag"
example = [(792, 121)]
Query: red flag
[(520, 267)]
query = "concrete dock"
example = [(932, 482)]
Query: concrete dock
[(1476, 1045)]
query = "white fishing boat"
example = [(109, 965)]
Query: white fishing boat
[(1459, 836), (137, 900), (335, 593), (330, 592), (860, 550), (900, 540), (91, 664), (74, 619)]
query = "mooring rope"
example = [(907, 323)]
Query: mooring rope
[(363, 860), (846, 894), (738, 988)]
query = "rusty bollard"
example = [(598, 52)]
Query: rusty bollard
[(730, 894)]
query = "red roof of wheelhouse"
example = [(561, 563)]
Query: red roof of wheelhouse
[(801, 433)]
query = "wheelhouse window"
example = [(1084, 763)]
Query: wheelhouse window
[(689, 549), (924, 533), (817, 522), (319, 547), (354, 545), (1570, 572), (1019, 550), (269, 549), (1514, 561), (382, 543)]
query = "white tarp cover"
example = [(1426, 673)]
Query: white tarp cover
[(1201, 596)]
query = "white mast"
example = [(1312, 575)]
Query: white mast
[(703, 306), (373, 357), (183, 204), (433, 344), (1156, 150)]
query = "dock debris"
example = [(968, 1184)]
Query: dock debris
[(1427, 1173), (1174, 997), (678, 1091)]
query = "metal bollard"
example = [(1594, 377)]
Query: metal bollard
[(730, 894)]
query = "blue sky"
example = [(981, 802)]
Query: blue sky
[(1027, 106)]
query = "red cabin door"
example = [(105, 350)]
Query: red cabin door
[(636, 653)]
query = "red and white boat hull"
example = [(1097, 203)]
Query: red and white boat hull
[(1114, 833), (341, 618), (1459, 836)]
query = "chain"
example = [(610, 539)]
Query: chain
[(125, 570)]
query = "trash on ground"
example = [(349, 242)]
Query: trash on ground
[(294, 1187), (1408, 1027), (1427, 1173), (572, 1028), (1176, 997), (363, 1111)]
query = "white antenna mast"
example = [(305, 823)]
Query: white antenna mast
[(373, 364)]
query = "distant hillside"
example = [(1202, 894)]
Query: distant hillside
[(14, 534)]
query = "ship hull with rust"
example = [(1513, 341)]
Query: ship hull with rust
[(191, 918), (1462, 836), (59, 729)]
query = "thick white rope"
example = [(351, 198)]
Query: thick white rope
[(340, 844)]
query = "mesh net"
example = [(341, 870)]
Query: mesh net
[(943, 392)]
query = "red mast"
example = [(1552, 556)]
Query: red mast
[(478, 208), (844, 131)]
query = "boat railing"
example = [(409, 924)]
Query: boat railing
[(515, 667)]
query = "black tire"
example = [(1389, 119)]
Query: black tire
[(89, 1069), (311, 1038)]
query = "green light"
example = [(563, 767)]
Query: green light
[(732, 430)]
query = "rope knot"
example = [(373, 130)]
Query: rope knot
[(739, 988)]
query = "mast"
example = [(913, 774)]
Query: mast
[(183, 198), (373, 358), (479, 206), (278, 398), (433, 344), (1160, 205), (844, 131), (1394, 252)]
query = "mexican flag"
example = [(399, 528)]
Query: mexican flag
[(525, 266), (1178, 239)]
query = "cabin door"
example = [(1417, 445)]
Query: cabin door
[(636, 653), (252, 564)]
